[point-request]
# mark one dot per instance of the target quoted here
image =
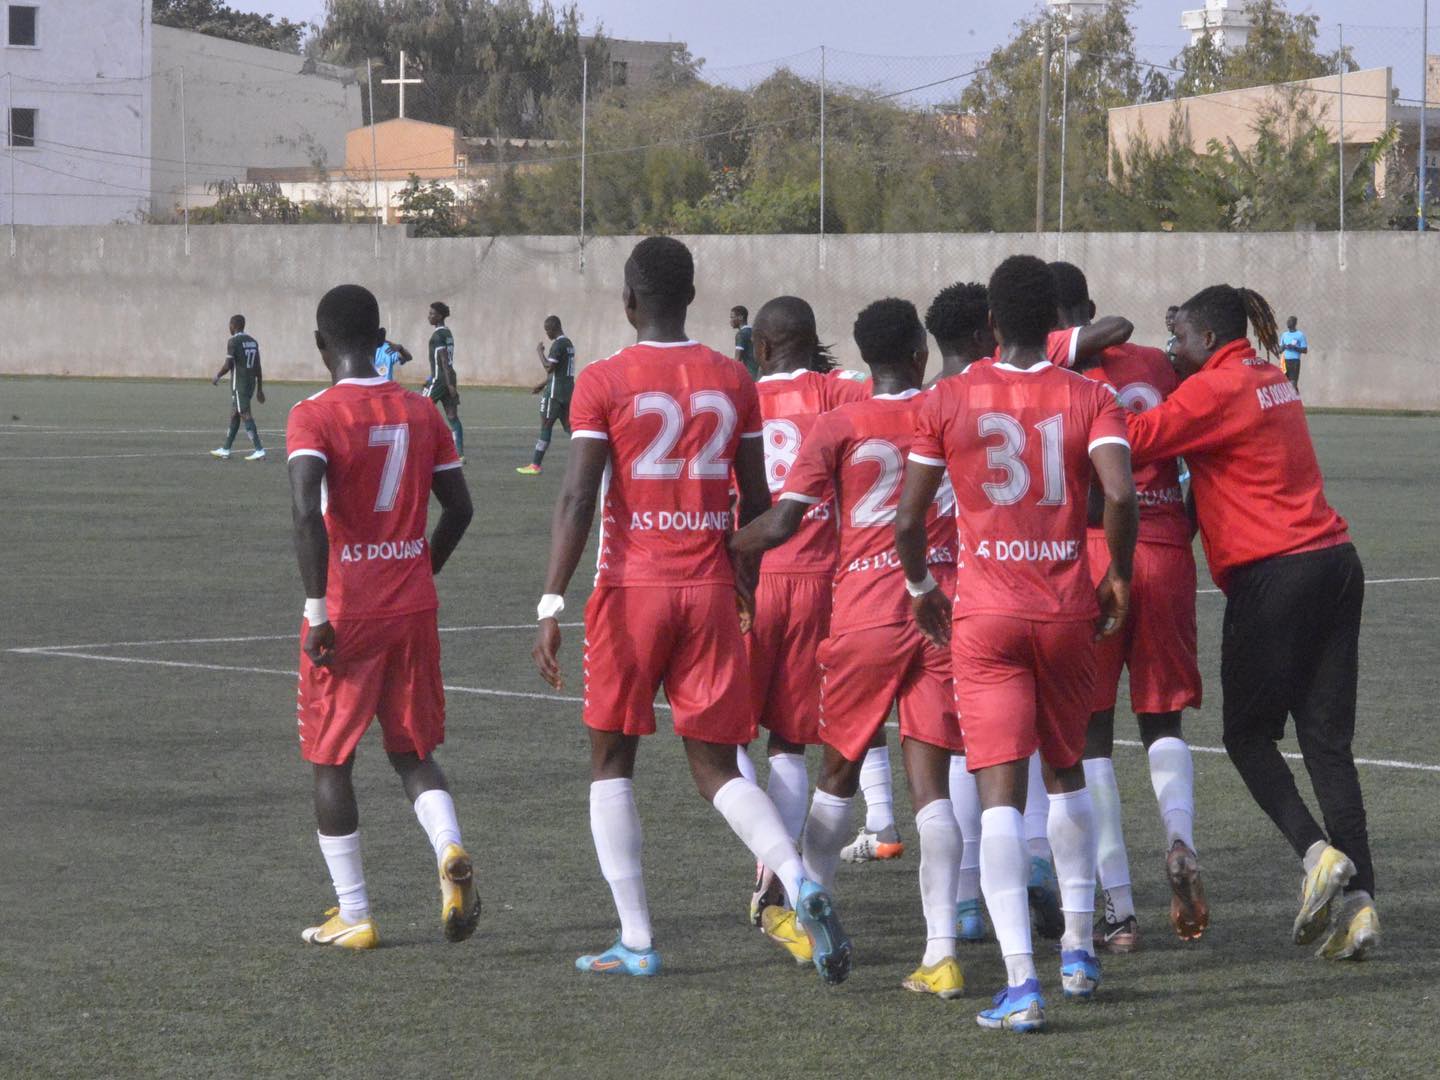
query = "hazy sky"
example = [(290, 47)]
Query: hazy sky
[(743, 32)]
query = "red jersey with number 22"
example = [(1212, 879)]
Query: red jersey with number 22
[(790, 404), (674, 414), (381, 445), (859, 451), (1017, 444)]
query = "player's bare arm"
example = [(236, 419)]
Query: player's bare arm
[(1122, 526), (928, 602), (569, 530), (754, 501), (770, 529), (259, 382), (400, 351), (1101, 334), (225, 369), (453, 494), (312, 548)]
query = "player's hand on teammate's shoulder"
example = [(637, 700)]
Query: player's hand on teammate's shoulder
[(1113, 595), (546, 653), (320, 644), (933, 615)]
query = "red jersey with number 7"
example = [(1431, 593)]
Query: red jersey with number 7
[(381, 445), (1016, 443), (673, 414), (858, 452), (790, 403)]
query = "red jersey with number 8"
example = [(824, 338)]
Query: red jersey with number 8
[(859, 451), (790, 404), (674, 414), (1016, 443), (381, 445)]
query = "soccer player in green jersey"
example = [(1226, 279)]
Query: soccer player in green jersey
[(744, 346), (242, 364), (559, 364), (441, 386)]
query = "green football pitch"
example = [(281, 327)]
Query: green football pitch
[(158, 859)]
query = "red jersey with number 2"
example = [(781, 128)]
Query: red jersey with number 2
[(790, 404), (673, 414), (1016, 443), (858, 451), (381, 445), (1142, 378)]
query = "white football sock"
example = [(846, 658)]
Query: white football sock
[(615, 826), (1037, 811), (756, 821), (436, 811), (877, 787), (1111, 860), (789, 789), (1004, 872), (940, 845), (744, 764), (965, 799), (342, 857), (1072, 837), (1172, 775), (824, 837)]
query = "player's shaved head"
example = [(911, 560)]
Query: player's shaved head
[(1023, 301), (785, 329), (552, 324), (237, 323), (348, 317), (661, 274), (888, 332)]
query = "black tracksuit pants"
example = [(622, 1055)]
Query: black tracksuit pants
[(1291, 646)]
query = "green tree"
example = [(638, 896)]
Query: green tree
[(1281, 47), (218, 19), (429, 207)]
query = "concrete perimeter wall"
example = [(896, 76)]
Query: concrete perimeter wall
[(127, 300)]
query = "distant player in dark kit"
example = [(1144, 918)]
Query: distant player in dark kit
[(559, 384), (744, 341), (365, 456), (242, 364), (442, 387)]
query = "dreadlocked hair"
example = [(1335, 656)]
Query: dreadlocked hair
[(789, 323), (1225, 311)]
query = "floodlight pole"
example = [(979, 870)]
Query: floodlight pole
[(821, 252), (374, 153), (10, 149), (1424, 108), (584, 134), (184, 164), (1045, 55), (1340, 141), (1070, 39)]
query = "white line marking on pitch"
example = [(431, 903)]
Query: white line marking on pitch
[(292, 636)]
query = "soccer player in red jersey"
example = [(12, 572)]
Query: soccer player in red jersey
[(1018, 439), (798, 382), (365, 455), (661, 425), (1294, 589), (875, 657), (1157, 645)]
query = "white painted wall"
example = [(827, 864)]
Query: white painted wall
[(88, 77)]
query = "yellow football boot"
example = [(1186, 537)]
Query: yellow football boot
[(459, 902), (1321, 885), (781, 926), (943, 979), (1356, 931), (341, 934)]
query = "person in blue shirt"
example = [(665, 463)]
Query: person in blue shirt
[(1294, 346), (389, 356)]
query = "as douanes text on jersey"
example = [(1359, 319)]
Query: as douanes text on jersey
[(385, 551), (681, 520), (1028, 550)]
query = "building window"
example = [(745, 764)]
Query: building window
[(22, 127), (619, 72), (22, 25)]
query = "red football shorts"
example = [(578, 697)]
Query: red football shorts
[(687, 639), (792, 618), (864, 672), (385, 669), (1157, 642), (1021, 686)]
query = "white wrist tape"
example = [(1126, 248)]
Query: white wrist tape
[(551, 604), (315, 613), (923, 587)]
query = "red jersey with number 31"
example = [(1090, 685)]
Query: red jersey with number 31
[(381, 445), (1016, 443), (674, 414), (790, 404), (858, 451)]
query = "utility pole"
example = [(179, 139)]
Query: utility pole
[(1340, 141), (1070, 39), (822, 157), (374, 154), (584, 119), (1424, 108), (1045, 54), (184, 163)]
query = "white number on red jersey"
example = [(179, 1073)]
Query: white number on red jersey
[(710, 463), (397, 438), (1004, 456), (782, 447), (876, 508)]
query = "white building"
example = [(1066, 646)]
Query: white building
[(1227, 25), (1075, 9), (76, 111)]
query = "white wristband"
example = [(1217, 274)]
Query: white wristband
[(551, 604), (923, 587), (315, 613)]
